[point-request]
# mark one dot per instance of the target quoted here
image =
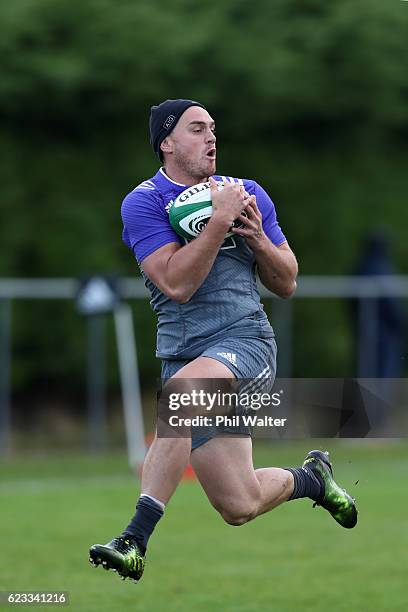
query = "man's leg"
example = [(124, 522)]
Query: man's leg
[(162, 470), (240, 493), (164, 466), (225, 470), (168, 457)]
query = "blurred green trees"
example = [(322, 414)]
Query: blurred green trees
[(311, 99)]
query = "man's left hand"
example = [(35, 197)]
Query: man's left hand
[(253, 230)]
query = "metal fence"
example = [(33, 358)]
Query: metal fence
[(336, 287)]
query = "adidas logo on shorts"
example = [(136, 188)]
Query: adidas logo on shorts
[(231, 357)]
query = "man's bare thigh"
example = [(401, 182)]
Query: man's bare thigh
[(225, 470)]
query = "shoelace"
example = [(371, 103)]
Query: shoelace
[(123, 545)]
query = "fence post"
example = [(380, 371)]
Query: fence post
[(5, 370), (96, 383), (129, 375)]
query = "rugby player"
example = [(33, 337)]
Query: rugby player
[(211, 325)]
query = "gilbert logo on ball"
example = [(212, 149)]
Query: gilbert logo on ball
[(191, 211)]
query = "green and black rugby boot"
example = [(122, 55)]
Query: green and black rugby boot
[(122, 555), (335, 500)]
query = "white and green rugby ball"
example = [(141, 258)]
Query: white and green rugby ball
[(192, 209)]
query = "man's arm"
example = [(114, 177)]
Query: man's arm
[(179, 271), (277, 266)]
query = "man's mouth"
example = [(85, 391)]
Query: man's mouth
[(211, 153)]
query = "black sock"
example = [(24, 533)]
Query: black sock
[(306, 484), (148, 514)]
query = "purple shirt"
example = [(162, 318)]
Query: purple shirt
[(146, 225)]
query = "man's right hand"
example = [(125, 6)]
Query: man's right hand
[(179, 271), (228, 203)]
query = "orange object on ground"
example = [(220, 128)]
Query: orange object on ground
[(189, 473)]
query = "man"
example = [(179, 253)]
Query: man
[(211, 325)]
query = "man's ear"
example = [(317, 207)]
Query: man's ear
[(166, 146)]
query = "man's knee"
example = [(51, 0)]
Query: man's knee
[(239, 514)]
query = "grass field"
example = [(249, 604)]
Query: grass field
[(295, 558)]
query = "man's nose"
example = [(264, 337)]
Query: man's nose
[(211, 137)]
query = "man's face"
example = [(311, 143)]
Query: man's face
[(191, 145)]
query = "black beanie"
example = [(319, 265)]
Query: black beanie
[(163, 119)]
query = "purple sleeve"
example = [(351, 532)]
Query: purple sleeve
[(270, 223), (146, 225)]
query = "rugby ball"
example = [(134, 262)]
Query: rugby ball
[(192, 209)]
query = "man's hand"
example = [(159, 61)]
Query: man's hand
[(277, 266), (228, 203), (253, 230)]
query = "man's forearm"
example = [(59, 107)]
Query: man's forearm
[(188, 267), (277, 268)]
